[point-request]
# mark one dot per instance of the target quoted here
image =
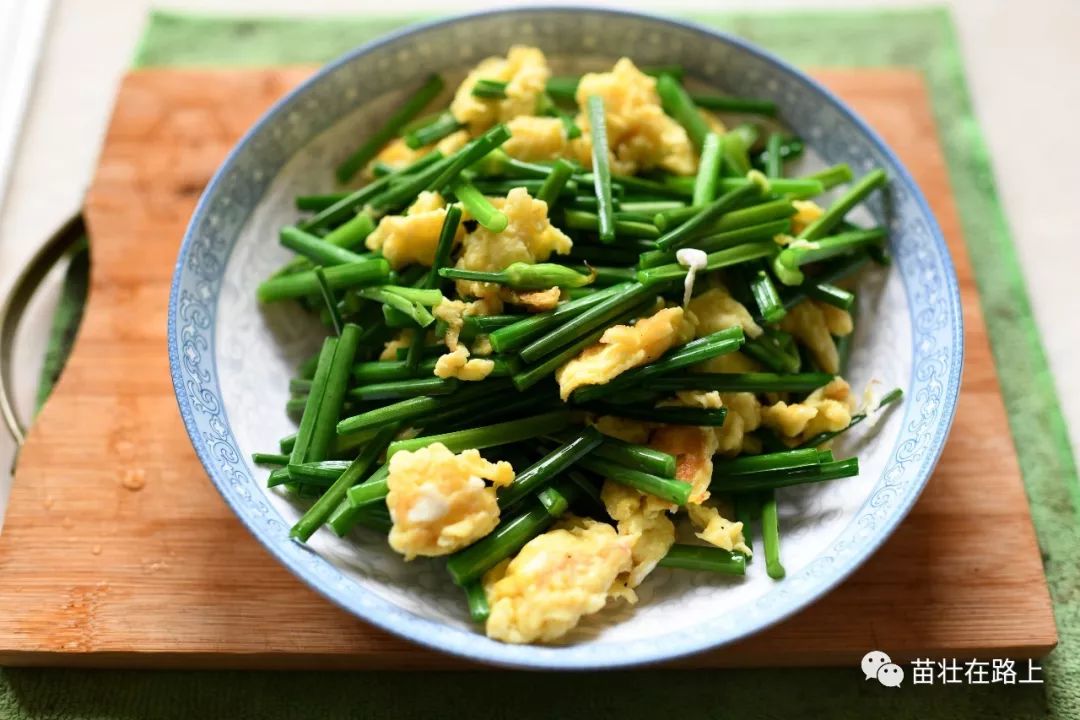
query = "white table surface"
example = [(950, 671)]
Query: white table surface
[(1022, 57)]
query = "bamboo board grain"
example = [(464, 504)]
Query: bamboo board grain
[(117, 551)]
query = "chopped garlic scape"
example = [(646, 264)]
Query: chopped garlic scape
[(758, 178), (801, 244), (695, 261)]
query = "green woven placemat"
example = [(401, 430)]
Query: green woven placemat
[(922, 39)]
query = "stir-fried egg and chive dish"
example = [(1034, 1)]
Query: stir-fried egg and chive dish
[(579, 328)]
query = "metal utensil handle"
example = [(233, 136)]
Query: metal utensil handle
[(11, 311)]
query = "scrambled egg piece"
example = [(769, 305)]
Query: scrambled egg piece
[(631, 431), (456, 364), (439, 502), (827, 409), (451, 312), (716, 530), (412, 237), (715, 123), (699, 399), (807, 323), (806, 212), (454, 312), (734, 362), (535, 138), (645, 522), (402, 341), (640, 135), (716, 310), (449, 144), (743, 409), (486, 306), (837, 320), (534, 300), (743, 416), (427, 201), (693, 448), (789, 420), (623, 347), (397, 154), (526, 73), (555, 580), (529, 237), (482, 346)]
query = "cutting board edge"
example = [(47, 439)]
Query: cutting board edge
[(282, 660)]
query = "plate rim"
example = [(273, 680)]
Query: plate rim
[(433, 634)]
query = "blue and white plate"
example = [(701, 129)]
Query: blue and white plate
[(231, 360)]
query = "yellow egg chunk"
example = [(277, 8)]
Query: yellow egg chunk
[(708, 400), (456, 364), (715, 123), (439, 502), (426, 201), (535, 138), (650, 505), (716, 310), (752, 445), (482, 346), (454, 312), (397, 154), (640, 135), (451, 312), (714, 529), (402, 341), (529, 237), (827, 409), (734, 362), (743, 416), (834, 403), (788, 420), (645, 522), (555, 580), (807, 323), (485, 306), (533, 300), (693, 448), (412, 237), (806, 212), (526, 73), (837, 319), (623, 347), (631, 431)]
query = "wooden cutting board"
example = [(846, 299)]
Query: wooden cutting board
[(118, 551)]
